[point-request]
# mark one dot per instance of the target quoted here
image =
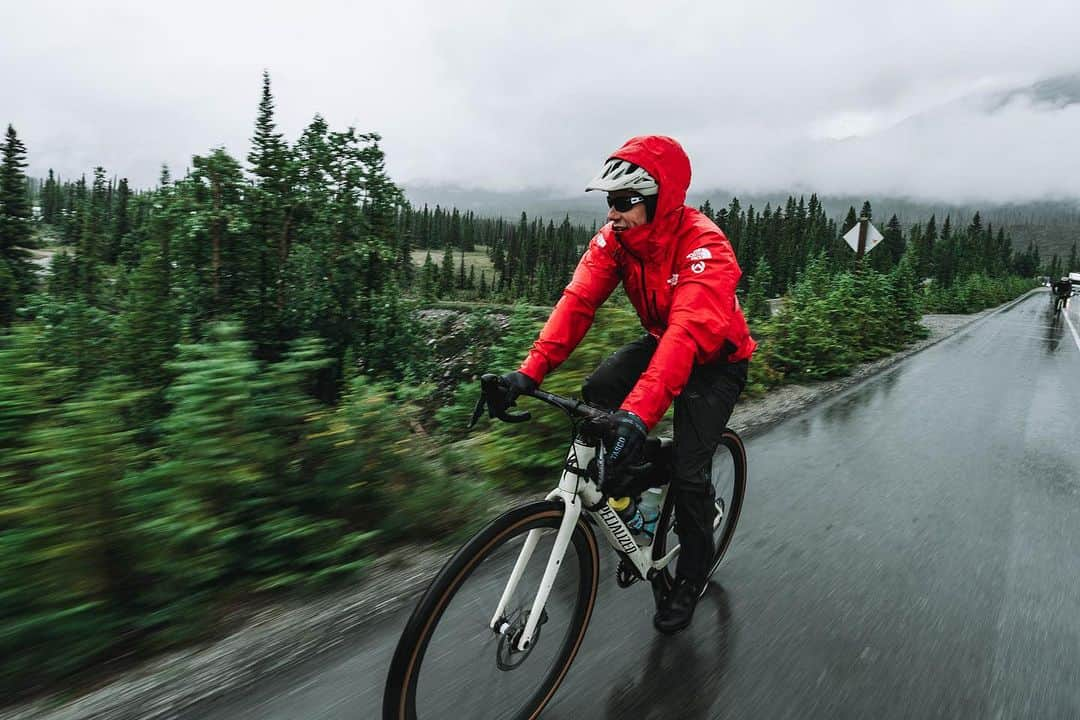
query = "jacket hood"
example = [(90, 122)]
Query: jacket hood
[(664, 158), (667, 162)]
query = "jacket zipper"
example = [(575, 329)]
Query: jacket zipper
[(650, 310)]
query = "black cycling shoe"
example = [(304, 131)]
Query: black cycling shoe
[(677, 608)]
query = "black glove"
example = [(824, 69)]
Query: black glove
[(623, 445), (513, 385)]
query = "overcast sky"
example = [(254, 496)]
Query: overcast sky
[(509, 95)]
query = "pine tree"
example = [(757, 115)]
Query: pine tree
[(946, 255), (406, 267), (90, 252), (50, 196), (850, 221), (214, 219), (926, 249), (904, 284), (268, 149), (446, 275), (429, 279), (269, 215), (733, 228), (757, 302), (707, 210), (455, 235), (15, 223), (121, 246), (972, 250), (884, 258)]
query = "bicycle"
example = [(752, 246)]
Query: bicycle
[(490, 609)]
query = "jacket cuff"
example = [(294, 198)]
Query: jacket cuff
[(533, 366), (643, 415)]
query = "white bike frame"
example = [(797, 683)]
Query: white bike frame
[(577, 493)]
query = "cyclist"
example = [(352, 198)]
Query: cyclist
[(679, 272), (1062, 290)]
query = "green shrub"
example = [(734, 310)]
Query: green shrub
[(65, 545), (387, 475), (973, 293), (833, 321), (529, 454)]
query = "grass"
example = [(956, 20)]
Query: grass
[(477, 258)]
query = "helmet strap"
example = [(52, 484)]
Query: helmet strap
[(650, 207)]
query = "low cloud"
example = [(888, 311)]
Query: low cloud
[(507, 96)]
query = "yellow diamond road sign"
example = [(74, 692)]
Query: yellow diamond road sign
[(873, 237)]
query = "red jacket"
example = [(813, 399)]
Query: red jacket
[(679, 272)]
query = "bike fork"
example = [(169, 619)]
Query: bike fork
[(572, 511)]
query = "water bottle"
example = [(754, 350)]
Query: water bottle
[(628, 511), (649, 508), (640, 516)]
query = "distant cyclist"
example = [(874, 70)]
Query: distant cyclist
[(680, 273), (1062, 290)]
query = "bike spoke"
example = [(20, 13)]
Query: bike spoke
[(470, 670)]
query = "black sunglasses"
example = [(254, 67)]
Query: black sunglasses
[(624, 203)]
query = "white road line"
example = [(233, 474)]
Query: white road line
[(1076, 338)]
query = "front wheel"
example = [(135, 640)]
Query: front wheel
[(728, 473), (450, 663)]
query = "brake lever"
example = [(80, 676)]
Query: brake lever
[(476, 413), (490, 386)]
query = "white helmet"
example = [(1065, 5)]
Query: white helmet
[(623, 175)]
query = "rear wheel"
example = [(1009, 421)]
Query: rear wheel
[(450, 663), (729, 485)]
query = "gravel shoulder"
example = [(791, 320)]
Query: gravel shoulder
[(281, 636)]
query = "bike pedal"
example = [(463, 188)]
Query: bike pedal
[(625, 576)]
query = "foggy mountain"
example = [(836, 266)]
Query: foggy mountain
[(1057, 92), (958, 144)]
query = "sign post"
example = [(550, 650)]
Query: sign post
[(863, 238)]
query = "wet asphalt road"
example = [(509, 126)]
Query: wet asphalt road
[(909, 549)]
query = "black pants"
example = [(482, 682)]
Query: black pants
[(701, 414)]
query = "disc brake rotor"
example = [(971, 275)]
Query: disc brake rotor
[(507, 655)]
